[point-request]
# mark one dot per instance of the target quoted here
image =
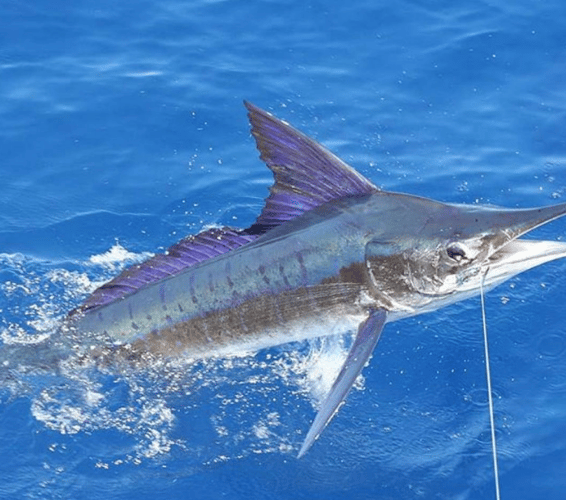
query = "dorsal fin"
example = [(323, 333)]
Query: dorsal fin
[(186, 253), (306, 176), (306, 173)]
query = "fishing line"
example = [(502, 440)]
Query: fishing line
[(489, 393)]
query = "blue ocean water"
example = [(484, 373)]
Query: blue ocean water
[(122, 129)]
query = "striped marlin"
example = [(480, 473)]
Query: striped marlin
[(329, 253)]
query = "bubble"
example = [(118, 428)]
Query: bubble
[(551, 346)]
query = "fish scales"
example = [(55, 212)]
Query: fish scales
[(241, 295)]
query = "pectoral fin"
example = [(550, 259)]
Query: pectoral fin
[(366, 339)]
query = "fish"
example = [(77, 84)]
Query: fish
[(330, 253)]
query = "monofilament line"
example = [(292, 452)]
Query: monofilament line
[(489, 393)]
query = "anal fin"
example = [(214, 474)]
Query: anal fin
[(366, 340)]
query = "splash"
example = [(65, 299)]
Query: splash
[(213, 410), (71, 396), (117, 257)]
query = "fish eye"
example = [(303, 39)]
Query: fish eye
[(457, 252)]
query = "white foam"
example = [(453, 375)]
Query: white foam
[(117, 256), (316, 370), (83, 400)]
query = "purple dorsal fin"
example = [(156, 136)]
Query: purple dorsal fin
[(186, 253), (306, 174)]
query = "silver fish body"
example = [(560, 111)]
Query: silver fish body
[(329, 253)]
